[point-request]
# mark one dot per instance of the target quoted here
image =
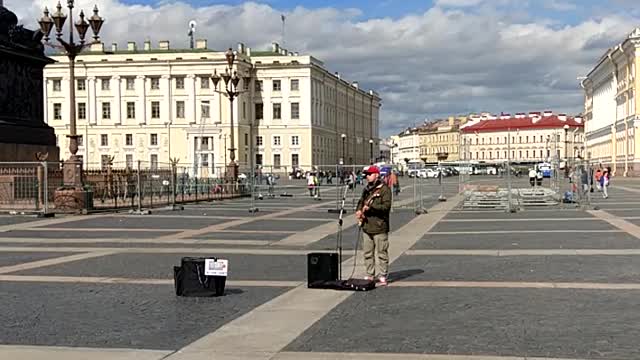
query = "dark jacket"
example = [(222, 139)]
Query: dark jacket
[(378, 197)]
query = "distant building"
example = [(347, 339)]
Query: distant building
[(610, 108), (534, 137), (441, 138), (153, 104)]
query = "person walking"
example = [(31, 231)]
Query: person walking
[(372, 213)]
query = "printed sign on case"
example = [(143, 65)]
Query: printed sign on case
[(213, 267)]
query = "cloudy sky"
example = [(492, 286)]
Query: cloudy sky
[(427, 58)]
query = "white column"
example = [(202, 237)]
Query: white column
[(45, 96), (92, 105), (65, 105), (190, 106), (165, 110), (141, 103), (117, 98)]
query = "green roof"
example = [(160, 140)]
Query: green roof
[(264, 53)]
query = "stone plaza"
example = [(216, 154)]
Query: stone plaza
[(549, 283)]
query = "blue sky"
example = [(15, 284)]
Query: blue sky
[(426, 58), (561, 11)]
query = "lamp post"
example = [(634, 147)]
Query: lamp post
[(371, 150), (566, 151), (230, 90), (72, 168)]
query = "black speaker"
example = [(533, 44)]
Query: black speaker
[(321, 268), (190, 279)]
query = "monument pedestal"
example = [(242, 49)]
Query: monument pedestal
[(72, 196)]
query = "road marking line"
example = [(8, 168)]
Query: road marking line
[(396, 356), (226, 225), (55, 261), (132, 241), (139, 281), (524, 252), (91, 229), (173, 250), (267, 329), (516, 285), (514, 232), (618, 222), (519, 220), (20, 352), (54, 221)]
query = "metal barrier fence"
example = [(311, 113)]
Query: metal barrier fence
[(30, 187)]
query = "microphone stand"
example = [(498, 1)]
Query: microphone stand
[(339, 237)]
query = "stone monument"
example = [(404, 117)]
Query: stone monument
[(23, 132)]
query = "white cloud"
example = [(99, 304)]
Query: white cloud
[(457, 3), (429, 64), (559, 5)]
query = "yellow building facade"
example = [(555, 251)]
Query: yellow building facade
[(439, 138)]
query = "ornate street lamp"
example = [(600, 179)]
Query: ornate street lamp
[(230, 90), (72, 168)]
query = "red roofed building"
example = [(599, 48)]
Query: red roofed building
[(536, 136)]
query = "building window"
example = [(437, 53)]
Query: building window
[(155, 83), (106, 110), (204, 109), (180, 83), (57, 111), (519, 154), (258, 140), (244, 110), (259, 111), (276, 161), (57, 85), (258, 85), (246, 83), (81, 85), (155, 109), (295, 140), (129, 161), (276, 141), (154, 162), (295, 85), (104, 161), (204, 82), (295, 160), (246, 139), (104, 140), (277, 111), (295, 110), (128, 140), (105, 84), (154, 139), (277, 85), (82, 111), (80, 140), (180, 109), (131, 84), (131, 110), (258, 159)]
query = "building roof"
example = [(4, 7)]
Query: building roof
[(522, 122)]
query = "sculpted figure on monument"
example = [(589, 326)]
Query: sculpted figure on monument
[(14, 35)]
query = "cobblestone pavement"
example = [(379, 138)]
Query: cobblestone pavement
[(553, 283)]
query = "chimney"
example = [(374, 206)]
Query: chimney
[(248, 51), (131, 46), (147, 45), (97, 47), (283, 52), (163, 45), (114, 47), (578, 119), (275, 47), (240, 48), (337, 75), (520, 115), (295, 53), (548, 113), (504, 116), (355, 84), (534, 113), (201, 44), (562, 117)]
